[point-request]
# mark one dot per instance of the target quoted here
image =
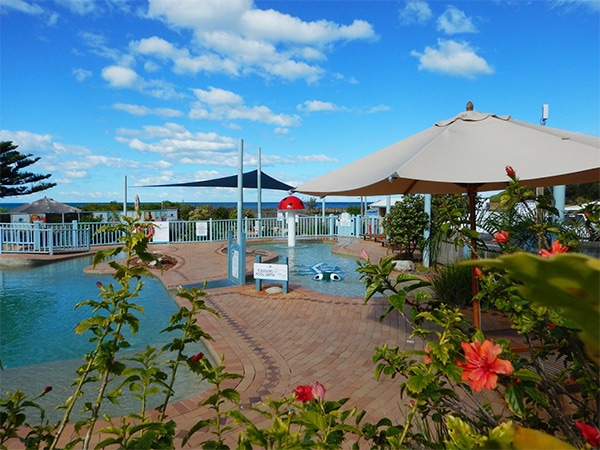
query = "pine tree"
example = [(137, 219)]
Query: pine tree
[(13, 180)]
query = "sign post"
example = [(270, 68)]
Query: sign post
[(271, 272)]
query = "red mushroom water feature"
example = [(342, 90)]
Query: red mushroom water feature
[(290, 205)]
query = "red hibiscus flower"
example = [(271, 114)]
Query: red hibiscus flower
[(483, 364), (197, 357), (510, 172), (590, 433), (303, 393), (478, 273), (501, 237), (556, 248)]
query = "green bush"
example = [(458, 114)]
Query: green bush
[(451, 283), (405, 224)]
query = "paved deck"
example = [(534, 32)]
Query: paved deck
[(279, 341)]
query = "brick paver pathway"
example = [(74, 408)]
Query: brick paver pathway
[(279, 341)]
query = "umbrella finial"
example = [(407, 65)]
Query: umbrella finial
[(469, 106)]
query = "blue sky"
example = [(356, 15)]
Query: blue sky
[(162, 91)]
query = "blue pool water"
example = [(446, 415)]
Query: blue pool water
[(38, 346), (37, 314), (307, 259)]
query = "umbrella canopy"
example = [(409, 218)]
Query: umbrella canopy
[(249, 181), (465, 154), (471, 149), (45, 206)]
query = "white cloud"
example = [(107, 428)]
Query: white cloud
[(273, 26), (68, 149), (177, 144), (311, 106), (452, 58), (70, 174), (415, 12), (454, 21), (317, 105), (22, 6), (27, 141), (139, 110), (317, 159), (216, 96), (79, 6), (81, 74), (220, 104), (593, 5), (154, 46), (235, 37), (120, 77)]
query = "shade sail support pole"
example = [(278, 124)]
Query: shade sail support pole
[(124, 197), (240, 192)]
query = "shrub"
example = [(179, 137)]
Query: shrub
[(406, 222), (451, 283)]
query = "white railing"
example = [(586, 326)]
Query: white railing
[(51, 238), (40, 238)]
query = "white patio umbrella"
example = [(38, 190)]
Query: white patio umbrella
[(467, 153)]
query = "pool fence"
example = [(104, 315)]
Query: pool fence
[(40, 237)]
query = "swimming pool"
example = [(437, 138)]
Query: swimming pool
[(38, 346), (307, 259)]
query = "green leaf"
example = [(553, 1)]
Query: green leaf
[(398, 300), (231, 394), (418, 382), (453, 372), (196, 427), (527, 375), (568, 282), (514, 400)]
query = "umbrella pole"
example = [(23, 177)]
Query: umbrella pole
[(472, 192)]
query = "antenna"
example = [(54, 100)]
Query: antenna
[(544, 114)]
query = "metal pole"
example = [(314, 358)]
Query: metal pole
[(240, 202), (427, 232), (259, 188), (125, 198)]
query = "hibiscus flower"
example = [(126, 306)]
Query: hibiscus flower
[(501, 237), (307, 393), (482, 364), (303, 393), (590, 433), (556, 248), (318, 390), (510, 172)]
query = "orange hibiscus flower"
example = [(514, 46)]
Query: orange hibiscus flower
[(482, 364), (501, 237), (556, 248)]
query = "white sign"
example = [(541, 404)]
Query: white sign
[(202, 228), (235, 264), (161, 232), (277, 272), (345, 220)]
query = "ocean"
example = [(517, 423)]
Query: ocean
[(342, 206)]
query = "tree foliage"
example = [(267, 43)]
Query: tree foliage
[(13, 179), (406, 223)]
